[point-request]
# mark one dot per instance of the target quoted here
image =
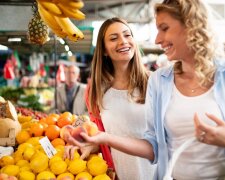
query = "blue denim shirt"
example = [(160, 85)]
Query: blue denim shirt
[(159, 91)]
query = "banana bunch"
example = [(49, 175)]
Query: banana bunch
[(57, 13)]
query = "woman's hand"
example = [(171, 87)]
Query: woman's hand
[(89, 145), (99, 138), (69, 151), (213, 135), (85, 151)]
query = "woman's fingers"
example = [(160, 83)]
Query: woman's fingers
[(218, 121), (69, 151), (72, 150)]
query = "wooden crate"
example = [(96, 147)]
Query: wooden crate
[(9, 141)]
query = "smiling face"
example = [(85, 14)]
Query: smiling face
[(172, 36), (119, 42)]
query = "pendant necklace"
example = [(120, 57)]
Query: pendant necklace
[(194, 89)]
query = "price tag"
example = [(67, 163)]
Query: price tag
[(47, 146)]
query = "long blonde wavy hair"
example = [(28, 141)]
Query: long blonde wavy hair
[(194, 15), (102, 71)]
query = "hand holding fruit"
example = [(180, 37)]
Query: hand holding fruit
[(70, 132)]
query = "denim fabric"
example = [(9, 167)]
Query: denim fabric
[(159, 91)]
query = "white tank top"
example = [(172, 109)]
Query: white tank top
[(199, 161)]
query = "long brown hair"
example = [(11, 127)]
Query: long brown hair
[(102, 71)]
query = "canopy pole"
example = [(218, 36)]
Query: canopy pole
[(55, 69)]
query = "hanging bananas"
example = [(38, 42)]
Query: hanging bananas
[(56, 14), (69, 28)]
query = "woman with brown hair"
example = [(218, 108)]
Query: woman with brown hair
[(116, 95)]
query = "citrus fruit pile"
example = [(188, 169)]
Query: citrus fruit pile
[(30, 162)]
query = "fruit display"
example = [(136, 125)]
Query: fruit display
[(29, 161), (57, 13), (28, 113)]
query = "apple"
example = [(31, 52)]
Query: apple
[(90, 127), (76, 133)]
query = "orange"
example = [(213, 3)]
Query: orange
[(22, 136), (51, 120), (36, 129), (66, 114), (42, 120), (58, 141), (44, 124), (63, 121), (54, 115), (52, 132)]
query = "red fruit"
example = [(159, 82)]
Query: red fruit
[(65, 131), (76, 133), (90, 127)]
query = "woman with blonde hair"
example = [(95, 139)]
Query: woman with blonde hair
[(184, 100)]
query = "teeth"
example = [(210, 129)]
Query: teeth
[(167, 48), (124, 49)]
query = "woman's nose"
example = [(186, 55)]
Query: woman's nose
[(158, 39), (122, 40)]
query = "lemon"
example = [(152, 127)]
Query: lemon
[(38, 154), (25, 175), (65, 175), (28, 153), (17, 156), (6, 160), (25, 168), (39, 148), (54, 159), (22, 136), (59, 151), (39, 164), (45, 175), (34, 141), (83, 175), (22, 162), (96, 166), (102, 177), (76, 155), (58, 167), (23, 119), (11, 170), (23, 146), (77, 165), (26, 125), (67, 161), (91, 156)]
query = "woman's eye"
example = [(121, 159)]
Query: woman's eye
[(113, 39), (165, 28), (127, 35)]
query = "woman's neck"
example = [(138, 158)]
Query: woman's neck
[(121, 78)]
